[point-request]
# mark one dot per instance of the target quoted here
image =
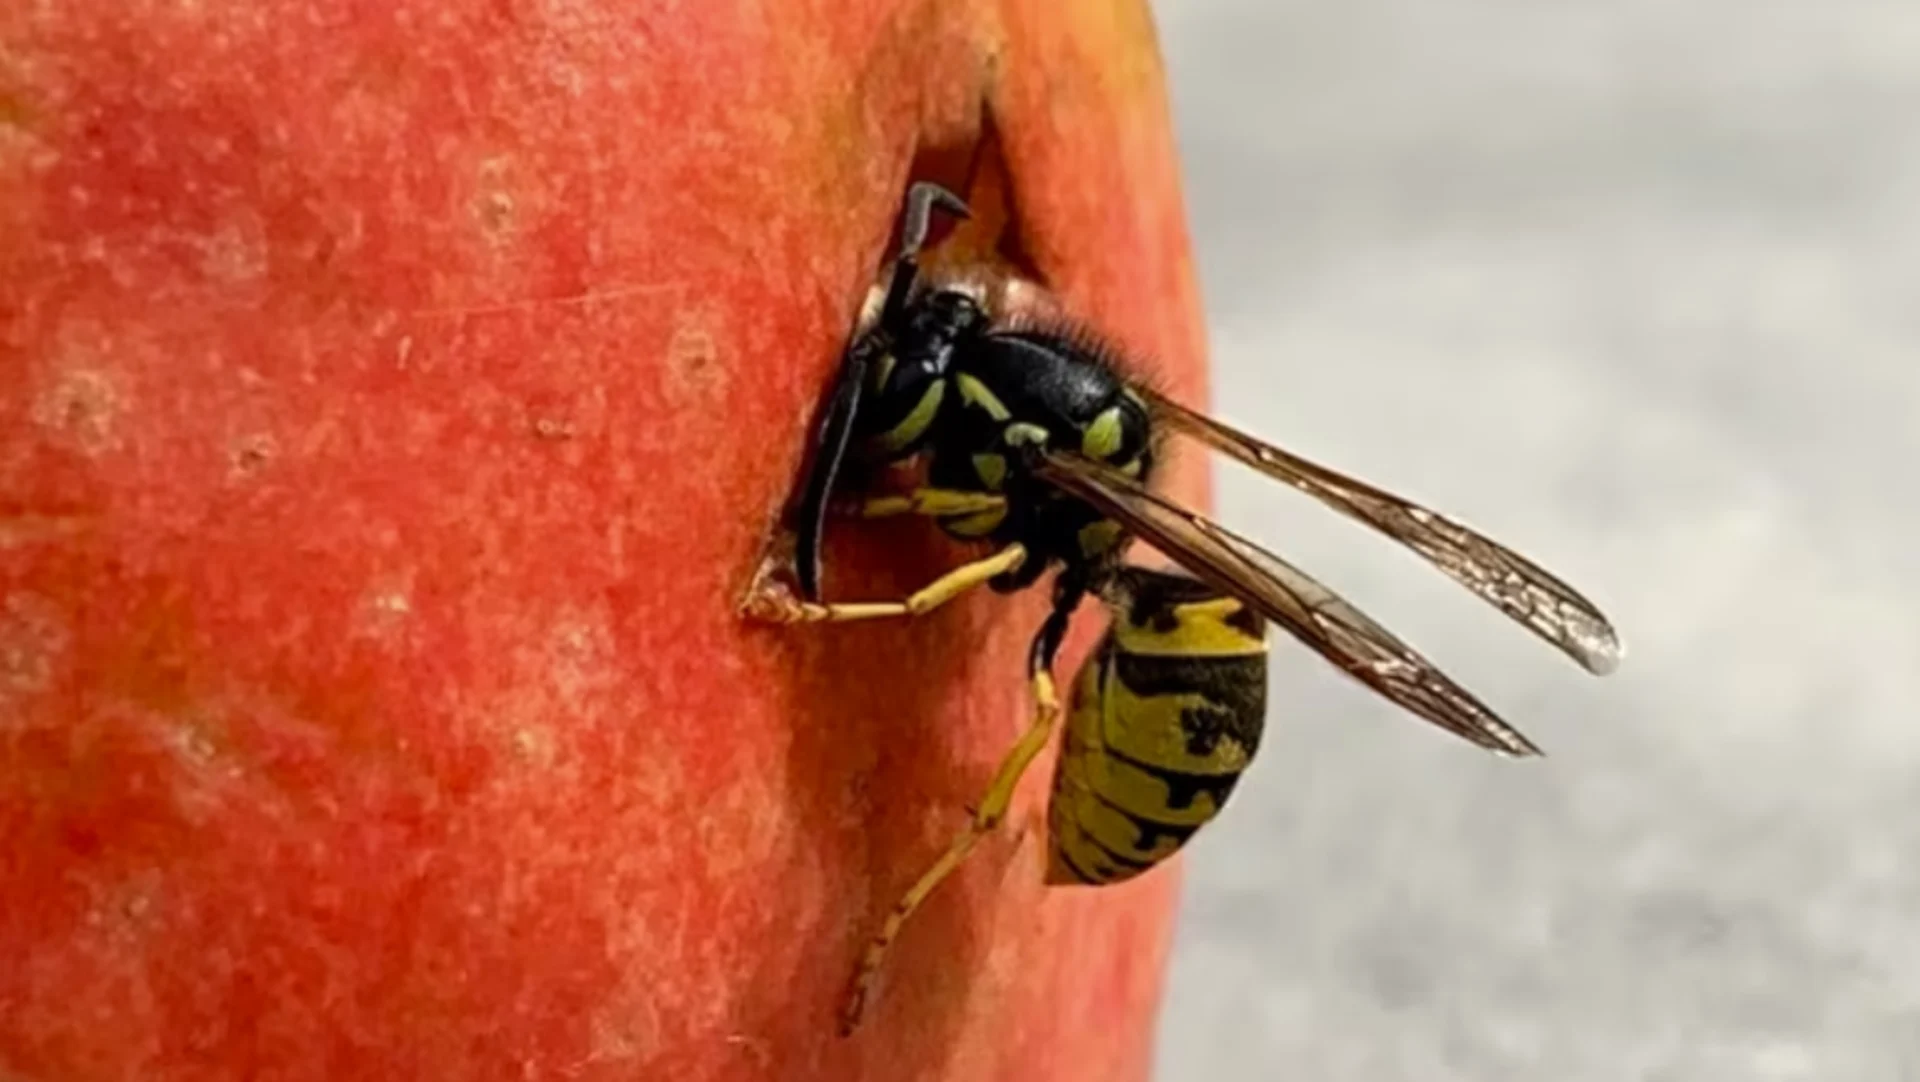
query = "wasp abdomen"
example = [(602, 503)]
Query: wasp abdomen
[(1167, 715)]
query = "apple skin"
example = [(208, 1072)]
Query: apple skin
[(393, 401)]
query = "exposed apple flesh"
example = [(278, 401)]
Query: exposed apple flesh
[(392, 402)]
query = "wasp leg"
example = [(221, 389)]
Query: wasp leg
[(937, 502), (789, 610), (992, 808), (833, 429)]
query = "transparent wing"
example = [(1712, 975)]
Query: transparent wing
[(1509, 581), (1315, 615)]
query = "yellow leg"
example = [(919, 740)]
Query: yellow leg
[(993, 809), (932, 596), (927, 501)]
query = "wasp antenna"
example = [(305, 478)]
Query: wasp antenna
[(922, 198)]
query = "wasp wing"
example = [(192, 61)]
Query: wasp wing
[(1318, 617), (1509, 581)]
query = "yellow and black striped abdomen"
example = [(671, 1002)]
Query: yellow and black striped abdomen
[(1167, 713)]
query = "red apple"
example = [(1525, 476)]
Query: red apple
[(393, 399)]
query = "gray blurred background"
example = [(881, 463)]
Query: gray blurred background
[(1632, 286)]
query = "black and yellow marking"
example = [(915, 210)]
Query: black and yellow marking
[(1097, 539), (1104, 435), (977, 394), (883, 367), (1167, 715), (1023, 433), (991, 469), (917, 421)]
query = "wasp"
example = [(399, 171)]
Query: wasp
[(1038, 447)]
